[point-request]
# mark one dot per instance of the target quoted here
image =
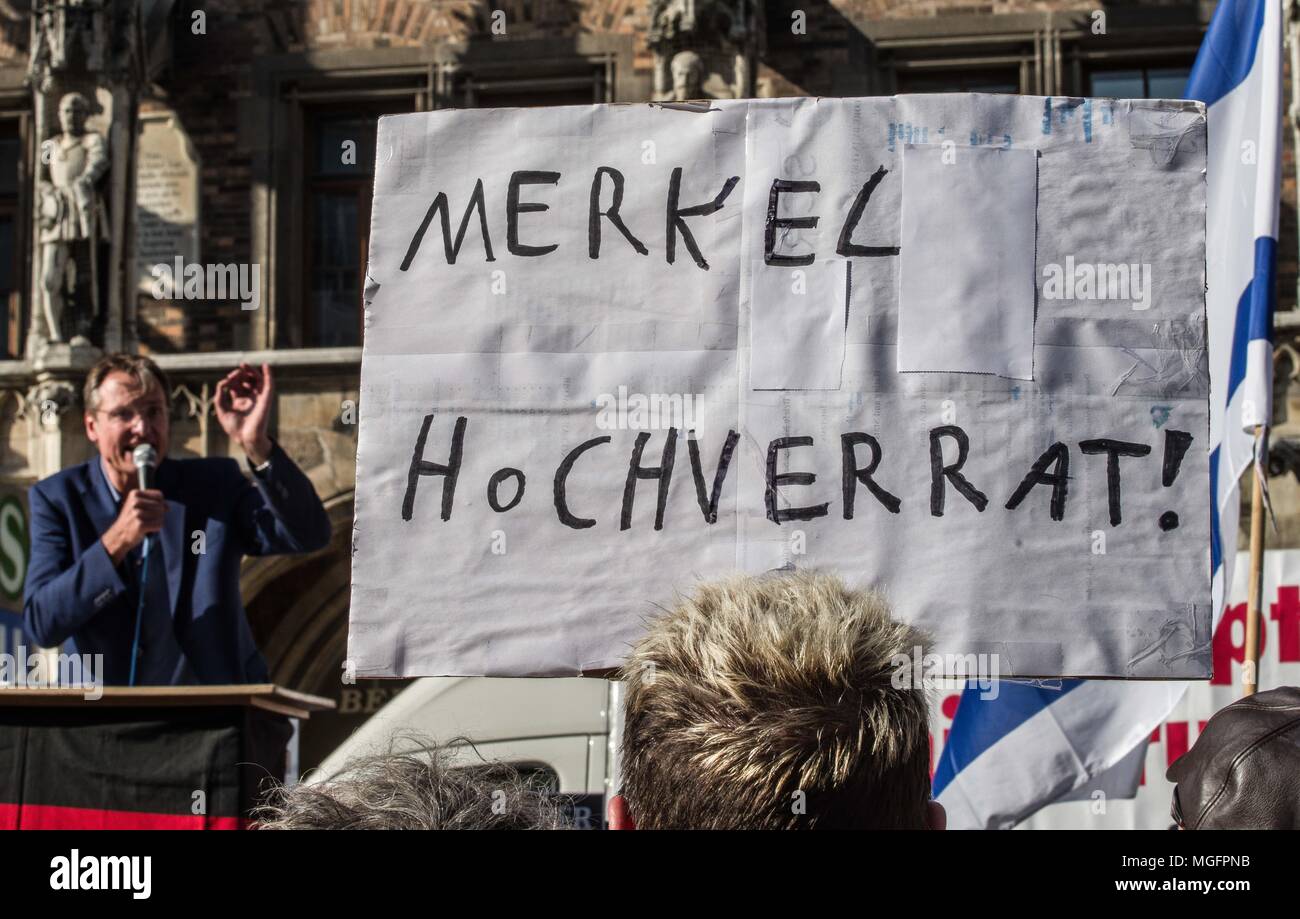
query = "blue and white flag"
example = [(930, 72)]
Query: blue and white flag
[(1005, 758), (1238, 75)]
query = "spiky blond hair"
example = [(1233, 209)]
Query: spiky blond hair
[(768, 703)]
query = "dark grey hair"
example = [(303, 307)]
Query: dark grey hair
[(416, 790), (143, 371)]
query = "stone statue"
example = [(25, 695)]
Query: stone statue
[(670, 19), (688, 76), (61, 27), (705, 49), (72, 217)]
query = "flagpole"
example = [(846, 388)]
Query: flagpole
[(1250, 660), (1254, 600)]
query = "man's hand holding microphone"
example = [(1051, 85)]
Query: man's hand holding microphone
[(143, 509)]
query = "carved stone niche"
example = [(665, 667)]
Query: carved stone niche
[(84, 71), (705, 49), (49, 401)]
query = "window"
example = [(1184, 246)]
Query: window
[(12, 276), (964, 80), (573, 89), (1142, 50), (1165, 82), (1151, 58), (922, 56), (339, 186), (332, 115)]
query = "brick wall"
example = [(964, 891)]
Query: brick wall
[(212, 77), (211, 74)]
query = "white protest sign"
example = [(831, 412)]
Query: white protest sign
[(613, 350), (1091, 807)]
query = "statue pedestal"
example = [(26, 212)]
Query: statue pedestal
[(66, 359)]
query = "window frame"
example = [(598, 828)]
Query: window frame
[(300, 97), (1138, 38), (1141, 59), (18, 316), (431, 78), (1054, 51), (314, 183)]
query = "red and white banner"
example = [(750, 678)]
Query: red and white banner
[(1279, 666)]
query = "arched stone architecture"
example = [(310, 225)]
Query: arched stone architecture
[(298, 609)]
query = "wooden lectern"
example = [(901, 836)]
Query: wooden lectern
[(150, 757)]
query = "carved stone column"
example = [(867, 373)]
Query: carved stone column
[(52, 409), (196, 407)]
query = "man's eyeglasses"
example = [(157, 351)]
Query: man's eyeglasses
[(125, 417)]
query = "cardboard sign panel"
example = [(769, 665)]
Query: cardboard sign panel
[(949, 346)]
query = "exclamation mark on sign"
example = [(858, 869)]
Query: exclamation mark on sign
[(1176, 444)]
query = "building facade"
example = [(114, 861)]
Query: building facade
[(239, 136)]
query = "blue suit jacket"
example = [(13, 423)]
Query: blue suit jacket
[(74, 591)]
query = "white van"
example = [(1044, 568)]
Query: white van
[(565, 729)]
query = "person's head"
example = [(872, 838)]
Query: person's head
[(768, 703), (127, 404), (1243, 772), (688, 75), (73, 110), (418, 790)]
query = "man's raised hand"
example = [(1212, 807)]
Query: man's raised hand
[(243, 407)]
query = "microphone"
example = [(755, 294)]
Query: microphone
[(145, 458)]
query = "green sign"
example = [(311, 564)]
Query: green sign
[(13, 549)]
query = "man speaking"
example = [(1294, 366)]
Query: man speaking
[(136, 557)]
